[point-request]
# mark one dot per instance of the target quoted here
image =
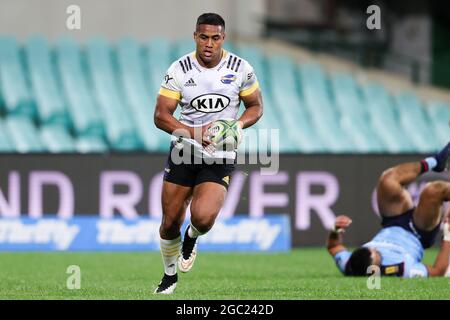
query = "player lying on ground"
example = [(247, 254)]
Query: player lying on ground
[(208, 84), (406, 230)]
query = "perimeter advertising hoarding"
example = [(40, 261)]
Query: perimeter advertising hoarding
[(90, 233), (312, 189)]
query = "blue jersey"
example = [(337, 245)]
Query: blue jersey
[(396, 246)]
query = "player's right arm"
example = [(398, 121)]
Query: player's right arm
[(166, 104), (442, 260), (164, 119), (335, 243)]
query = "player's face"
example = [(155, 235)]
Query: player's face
[(376, 257), (209, 40)]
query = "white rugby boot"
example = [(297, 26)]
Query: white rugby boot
[(188, 253)]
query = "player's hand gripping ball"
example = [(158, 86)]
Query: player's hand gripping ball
[(225, 135)]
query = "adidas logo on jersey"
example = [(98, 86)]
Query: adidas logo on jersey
[(190, 83)]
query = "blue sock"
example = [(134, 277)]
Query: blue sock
[(428, 164)]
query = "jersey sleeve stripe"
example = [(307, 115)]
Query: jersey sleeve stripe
[(170, 94), (250, 90)]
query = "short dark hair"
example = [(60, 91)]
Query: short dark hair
[(358, 263), (212, 19)]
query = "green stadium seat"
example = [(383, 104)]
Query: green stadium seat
[(325, 117), (82, 108), (120, 132), (229, 46), (138, 95), (354, 116), (272, 119), (384, 119), (14, 90), (346, 95), (89, 144), (101, 98), (283, 104), (312, 74), (24, 135), (415, 121), (182, 47), (253, 55), (257, 59), (6, 145), (47, 90), (57, 139), (157, 59), (366, 140), (439, 114)]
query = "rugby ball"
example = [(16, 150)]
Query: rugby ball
[(225, 134)]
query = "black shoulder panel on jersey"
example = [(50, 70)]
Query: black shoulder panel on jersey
[(182, 66), (186, 64), (238, 65), (189, 63), (229, 61), (232, 63)]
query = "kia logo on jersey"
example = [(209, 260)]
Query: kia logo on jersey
[(210, 102)]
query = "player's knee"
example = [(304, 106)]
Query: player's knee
[(387, 176), (389, 186), (202, 223), (435, 190), (170, 227)]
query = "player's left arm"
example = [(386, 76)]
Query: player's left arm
[(253, 109), (250, 94)]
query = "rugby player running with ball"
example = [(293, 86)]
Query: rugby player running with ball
[(209, 85)]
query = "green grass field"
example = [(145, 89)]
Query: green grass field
[(300, 274)]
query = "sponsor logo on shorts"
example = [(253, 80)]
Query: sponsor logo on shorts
[(226, 180)]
